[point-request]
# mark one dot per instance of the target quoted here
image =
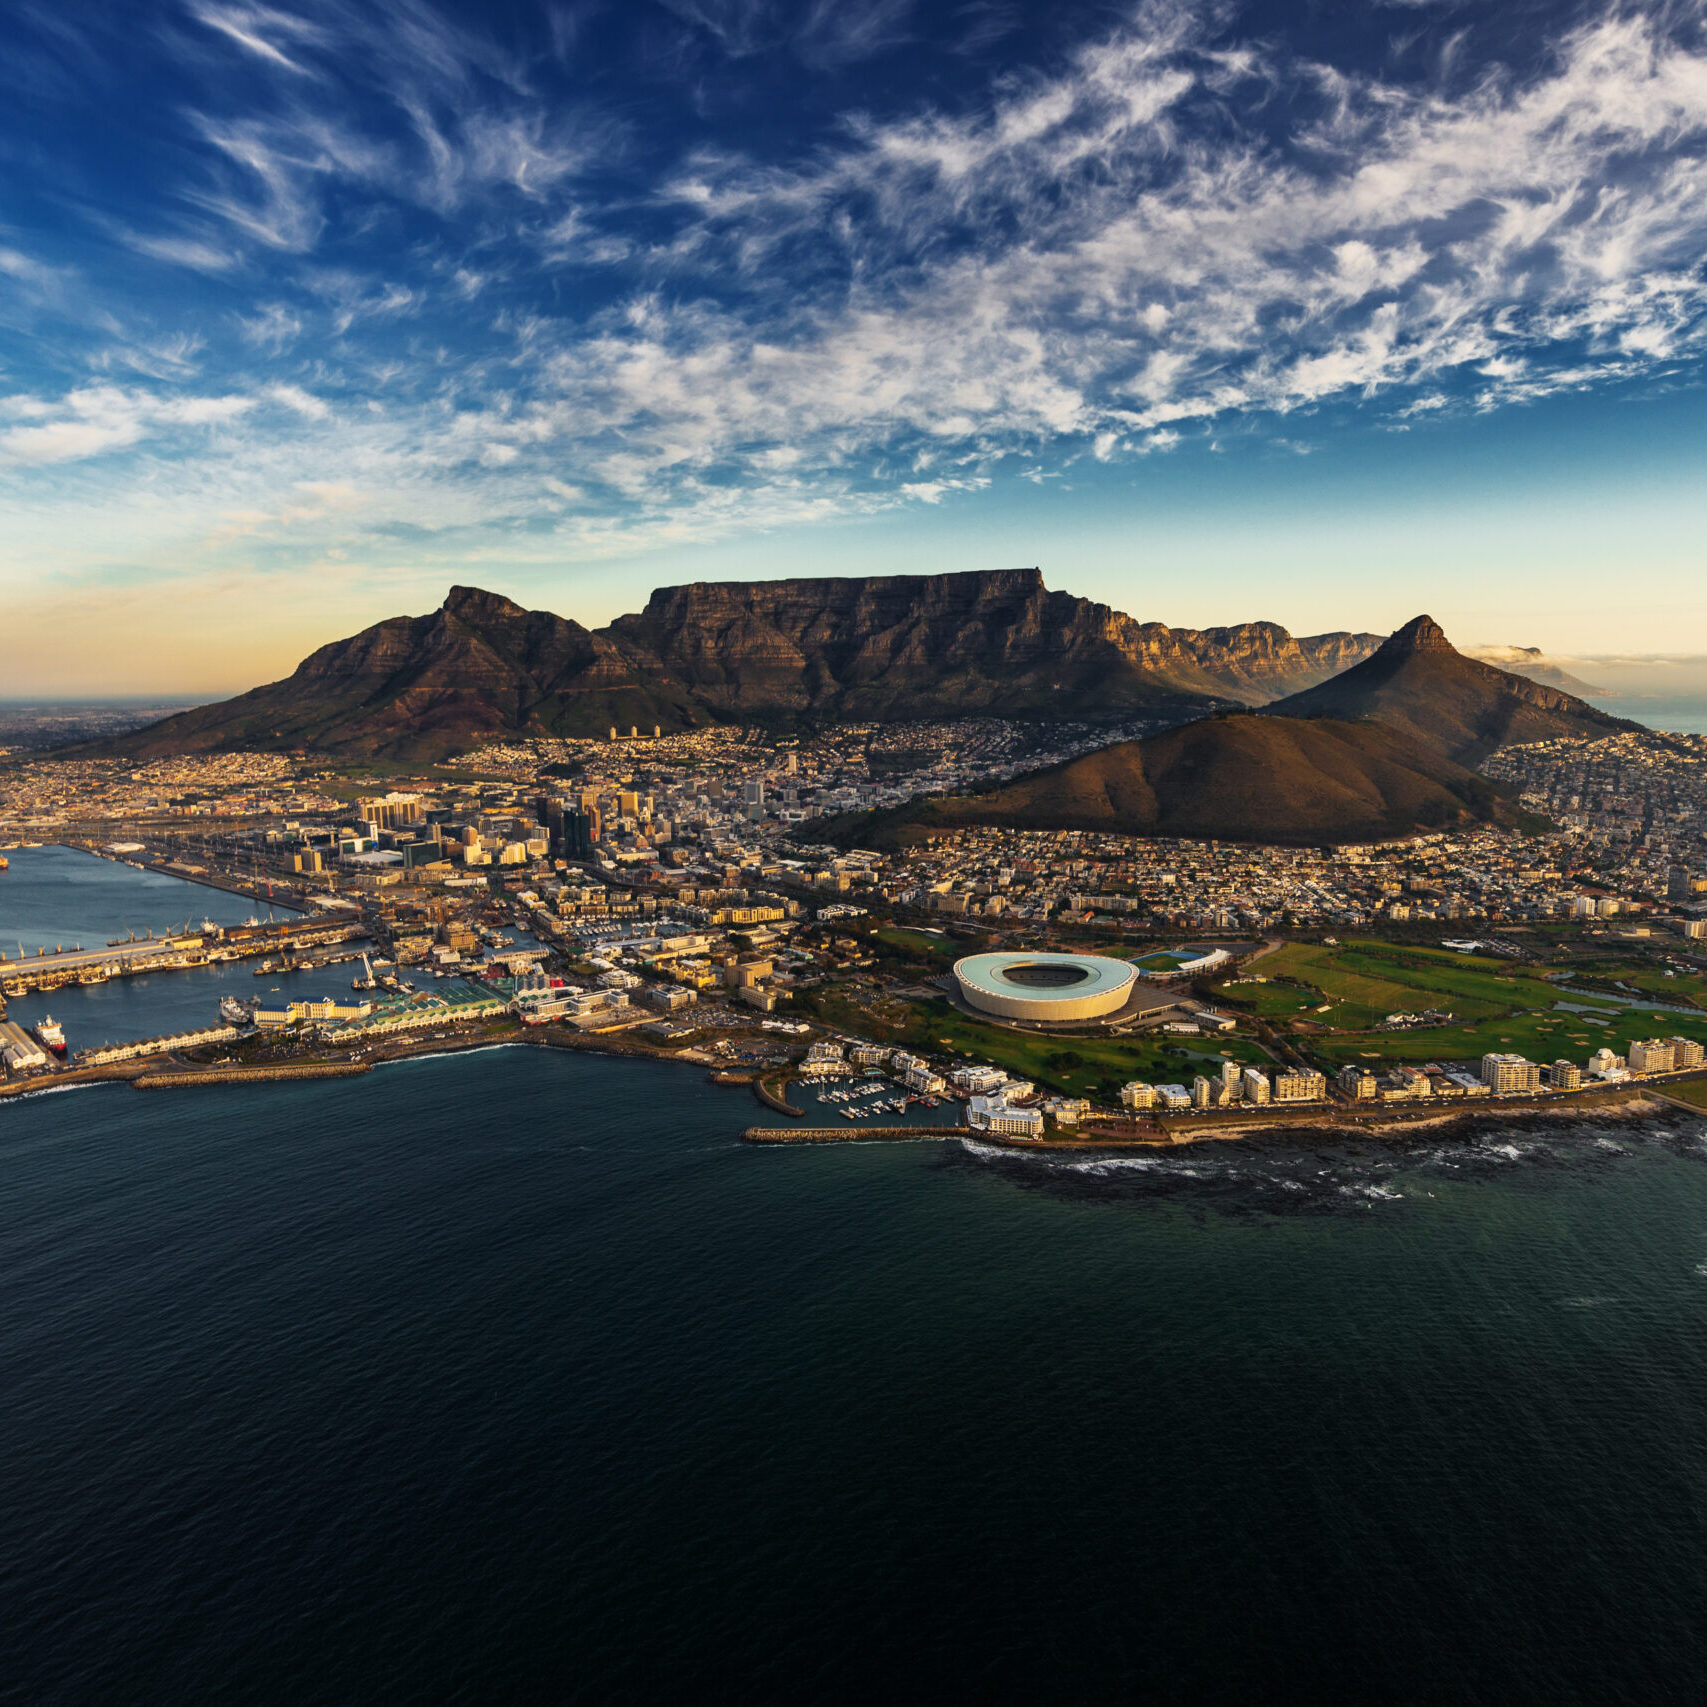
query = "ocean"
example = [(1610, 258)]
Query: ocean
[(57, 897), (515, 1376), (61, 897)]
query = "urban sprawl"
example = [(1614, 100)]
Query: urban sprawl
[(663, 893)]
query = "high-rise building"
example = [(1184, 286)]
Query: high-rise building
[(578, 833), (1686, 1052), (1256, 1085), (1565, 1076), (1300, 1084), (391, 811), (1653, 1055), (1357, 1083), (1507, 1075)]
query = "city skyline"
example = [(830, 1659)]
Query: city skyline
[(1217, 314)]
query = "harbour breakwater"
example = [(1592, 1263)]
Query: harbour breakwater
[(252, 1075), (847, 1134)]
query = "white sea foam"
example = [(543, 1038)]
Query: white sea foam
[(61, 1090)]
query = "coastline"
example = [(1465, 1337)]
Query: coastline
[(1624, 1103)]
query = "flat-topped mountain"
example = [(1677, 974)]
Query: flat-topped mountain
[(871, 648), (1417, 683), (902, 646), (1243, 777)]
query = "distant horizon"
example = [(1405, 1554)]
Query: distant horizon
[(1660, 676)]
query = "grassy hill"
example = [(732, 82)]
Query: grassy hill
[(1245, 777)]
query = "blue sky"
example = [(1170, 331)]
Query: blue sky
[(1323, 313)]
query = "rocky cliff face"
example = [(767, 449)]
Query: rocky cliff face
[(930, 645), (877, 648)]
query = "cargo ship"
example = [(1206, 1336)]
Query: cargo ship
[(49, 1036)]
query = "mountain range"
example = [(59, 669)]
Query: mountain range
[(793, 652), (1383, 749)]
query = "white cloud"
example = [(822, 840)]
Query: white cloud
[(97, 419), (1100, 260)]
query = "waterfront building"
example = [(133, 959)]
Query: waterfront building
[(1655, 1055), (1357, 1084), (1686, 1052), (156, 1045), (1565, 1076), (1137, 1095), (1257, 1088), (1300, 1084), (1509, 1075), (996, 1114), (19, 1050)]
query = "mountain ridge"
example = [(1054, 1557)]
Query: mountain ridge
[(866, 648), (1417, 682), (1383, 749)]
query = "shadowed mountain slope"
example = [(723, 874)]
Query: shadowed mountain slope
[(1418, 684), (1244, 777), (424, 687)]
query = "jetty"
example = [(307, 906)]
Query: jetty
[(849, 1134), (251, 1075)]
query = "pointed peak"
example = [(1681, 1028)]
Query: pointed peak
[(1420, 634)]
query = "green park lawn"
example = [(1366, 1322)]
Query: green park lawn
[(1692, 1091), (1497, 1005), (1358, 984), (916, 943)]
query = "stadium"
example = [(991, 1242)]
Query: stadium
[(1052, 988)]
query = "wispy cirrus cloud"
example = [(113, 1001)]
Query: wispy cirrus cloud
[(434, 254)]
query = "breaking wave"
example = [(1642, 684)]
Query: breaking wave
[(1272, 1175)]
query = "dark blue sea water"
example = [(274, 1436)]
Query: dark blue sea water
[(57, 897), (515, 1377)]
